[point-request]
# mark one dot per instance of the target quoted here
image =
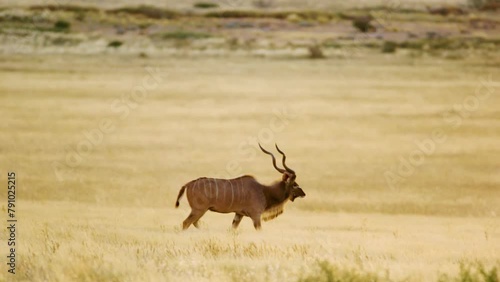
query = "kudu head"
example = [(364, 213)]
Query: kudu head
[(289, 175)]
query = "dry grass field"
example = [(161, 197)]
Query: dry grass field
[(101, 145), (388, 112)]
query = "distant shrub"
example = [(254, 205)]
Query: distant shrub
[(389, 47), (332, 273), (363, 24), (147, 11), (206, 5), (61, 25), (184, 35), (80, 16), (66, 8), (237, 14), (315, 52), (115, 44), (306, 15)]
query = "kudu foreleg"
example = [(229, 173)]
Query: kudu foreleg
[(256, 221), (237, 219)]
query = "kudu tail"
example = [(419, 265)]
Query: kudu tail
[(181, 192)]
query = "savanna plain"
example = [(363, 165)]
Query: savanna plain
[(345, 124), (397, 152)]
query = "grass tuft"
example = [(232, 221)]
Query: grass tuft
[(327, 272), (473, 272)]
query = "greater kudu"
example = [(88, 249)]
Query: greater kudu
[(243, 195)]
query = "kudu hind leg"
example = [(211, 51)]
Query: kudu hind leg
[(237, 220), (193, 217), (197, 223)]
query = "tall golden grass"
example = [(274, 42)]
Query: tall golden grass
[(111, 215)]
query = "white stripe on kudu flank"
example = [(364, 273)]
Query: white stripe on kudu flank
[(195, 184), (225, 191), (232, 191), (216, 189), (242, 190)]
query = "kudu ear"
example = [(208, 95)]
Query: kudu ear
[(285, 177), (288, 177)]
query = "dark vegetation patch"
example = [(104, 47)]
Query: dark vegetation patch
[(115, 44), (451, 43), (306, 15), (66, 8), (389, 47), (184, 35), (315, 52), (206, 5), (473, 272), (363, 24), (147, 12), (327, 272), (62, 25)]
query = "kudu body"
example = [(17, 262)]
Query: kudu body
[(244, 196)]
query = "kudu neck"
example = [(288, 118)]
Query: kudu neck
[(277, 193)]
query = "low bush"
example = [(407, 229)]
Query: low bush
[(61, 25), (315, 52), (363, 24), (389, 47), (115, 44), (206, 5)]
